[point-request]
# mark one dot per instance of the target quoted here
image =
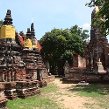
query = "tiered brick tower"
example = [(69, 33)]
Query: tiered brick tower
[(97, 48), (10, 57), (31, 56), (22, 69)]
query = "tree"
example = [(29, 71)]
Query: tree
[(95, 2), (59, 45), (1, 22), (104, 10)]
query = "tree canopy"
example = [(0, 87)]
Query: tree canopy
[(1, 22), (59, 45)]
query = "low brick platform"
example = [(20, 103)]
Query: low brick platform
[(80, 74), (27, 88)]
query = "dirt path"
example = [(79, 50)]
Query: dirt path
[(68, 99)]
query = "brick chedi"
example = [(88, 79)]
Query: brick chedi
[(97, 53), (31, 56), (22, 69), (10, 61), (42, 73), (30, 85)]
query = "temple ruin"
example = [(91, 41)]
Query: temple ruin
[(97, 48), (96, 55), (22, 69)]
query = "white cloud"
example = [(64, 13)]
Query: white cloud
[(86, 26)]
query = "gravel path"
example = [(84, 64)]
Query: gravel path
[(68, 99)]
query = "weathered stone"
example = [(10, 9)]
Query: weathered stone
[(27, 88), (101, 68), (97, 47), (10, 90), (3, 100), (22, 69)]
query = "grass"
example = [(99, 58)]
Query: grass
[(92, 90), (50, 88), (101, 103), (98, 92), (35, 102), (89, 106)]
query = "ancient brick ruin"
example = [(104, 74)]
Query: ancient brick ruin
[(3, 99), (97, 49), (96, 55), (22, 69)]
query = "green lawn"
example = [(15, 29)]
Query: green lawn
[(98, 92), (36, 102), (92, 90)]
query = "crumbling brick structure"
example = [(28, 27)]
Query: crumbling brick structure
[(3, 99), (22, 69), (97, 49), (96, 55)]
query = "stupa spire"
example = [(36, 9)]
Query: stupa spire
[(32, 29), (28, 34), (8, 19)]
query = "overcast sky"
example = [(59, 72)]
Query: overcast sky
[(47, 14)]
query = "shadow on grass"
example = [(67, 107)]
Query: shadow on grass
[(91, 90)]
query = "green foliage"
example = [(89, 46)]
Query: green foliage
[(59, 45), (1, 22), (95, 2)]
